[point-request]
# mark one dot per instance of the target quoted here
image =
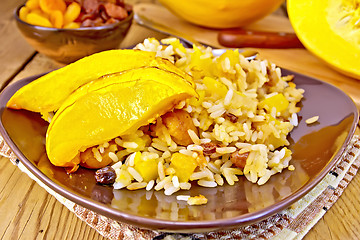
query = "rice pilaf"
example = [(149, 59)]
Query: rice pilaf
[(242, 118)]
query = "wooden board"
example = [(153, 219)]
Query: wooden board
[(28, 212), (15, 51)]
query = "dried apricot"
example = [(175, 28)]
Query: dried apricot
[(51, 5), (40, 12), (23, 12), (37, 19), (72, 25), (32, 4), (72, 12), (57, 18)]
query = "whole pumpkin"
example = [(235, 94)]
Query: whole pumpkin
[(330, 29), (222, 13)]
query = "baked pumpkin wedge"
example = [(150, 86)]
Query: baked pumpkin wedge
[(330, 29), (126, 76), (103, 110), (47, 93)]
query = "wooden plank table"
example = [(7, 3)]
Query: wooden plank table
[(28, 212)]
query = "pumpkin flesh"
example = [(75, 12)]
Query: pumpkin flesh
[(331, 30), (222, 13)]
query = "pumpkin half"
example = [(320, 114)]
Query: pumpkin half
[(330, 29), (222, 13), (112, 106)]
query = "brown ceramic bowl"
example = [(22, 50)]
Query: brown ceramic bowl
[(69, 45)]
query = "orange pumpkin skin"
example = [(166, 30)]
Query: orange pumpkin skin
[(328, 29)]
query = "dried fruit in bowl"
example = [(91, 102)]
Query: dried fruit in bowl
[(39, 96), (113, 106), (72, 13)]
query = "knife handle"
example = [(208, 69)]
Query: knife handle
[(239, 38)]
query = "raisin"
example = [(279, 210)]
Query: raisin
[(231, 117), (239, 159), (105, 175), (115, 11), (209, 148)]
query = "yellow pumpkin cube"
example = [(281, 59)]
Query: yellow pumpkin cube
[(278, 101), (215, 86), (147, 168), (184, 166)]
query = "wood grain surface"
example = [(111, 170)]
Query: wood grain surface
[(28, 212)]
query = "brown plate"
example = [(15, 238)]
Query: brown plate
[(316, 149)]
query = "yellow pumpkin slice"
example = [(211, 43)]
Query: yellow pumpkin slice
[(126, 76), (330, 29), (47, 93), (116, 105)]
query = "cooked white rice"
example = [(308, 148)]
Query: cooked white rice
[(312, 120), (243, 106)]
